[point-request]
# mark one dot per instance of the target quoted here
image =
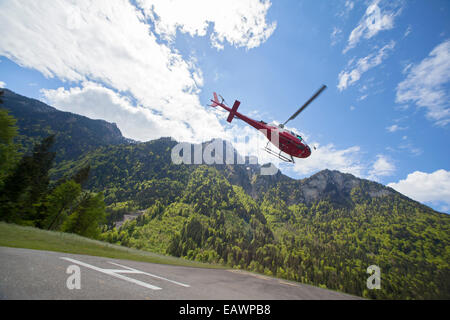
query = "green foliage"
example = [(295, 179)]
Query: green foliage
[(8, 128), (140, 172), (87, 216), (59, 204), (9, 155), (325, 230), (15, 236), (196, 213), (27, 198), (162, 190), (207, 190), (324, 243), (23, 194), (82, 175)]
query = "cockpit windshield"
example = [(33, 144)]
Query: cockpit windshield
[(296, 135)]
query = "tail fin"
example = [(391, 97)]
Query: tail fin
[(215, 101)]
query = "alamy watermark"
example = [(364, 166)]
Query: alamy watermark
[(374, 281), (74, 280), (222, 152)]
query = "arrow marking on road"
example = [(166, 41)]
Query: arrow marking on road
[(118, 274)]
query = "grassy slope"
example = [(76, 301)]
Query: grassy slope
[(32, 238)]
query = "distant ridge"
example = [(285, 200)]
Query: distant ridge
[(75, 134)]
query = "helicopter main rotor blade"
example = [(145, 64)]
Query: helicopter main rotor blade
[(306, 104)]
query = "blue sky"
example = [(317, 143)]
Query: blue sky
[(151, 66)]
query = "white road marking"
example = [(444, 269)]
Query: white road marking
[(131, 270), (117, 273)]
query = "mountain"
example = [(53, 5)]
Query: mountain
[(331, 185), (324, 230), (75, 134), (121, 169), (100, 141)]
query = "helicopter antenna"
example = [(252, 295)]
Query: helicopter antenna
[(305, 105)]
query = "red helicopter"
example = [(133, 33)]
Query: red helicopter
[(288, 142)]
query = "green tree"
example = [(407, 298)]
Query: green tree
[(82, 175), (9, 155), (59, 204), (23, 193), (87, 216)]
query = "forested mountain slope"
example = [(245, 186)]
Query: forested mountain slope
[(323, 230)]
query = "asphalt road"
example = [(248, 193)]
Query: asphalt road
[(32, 274)]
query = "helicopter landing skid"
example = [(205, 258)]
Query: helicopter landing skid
[(279, 155)]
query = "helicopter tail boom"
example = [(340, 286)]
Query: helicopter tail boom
[(233, 111)]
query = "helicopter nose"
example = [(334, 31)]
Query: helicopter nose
[(307, 152)]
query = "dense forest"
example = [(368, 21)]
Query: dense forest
[(322, 244), (325, 230), (27, 195)]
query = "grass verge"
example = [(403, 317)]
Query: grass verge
[(15, 236)]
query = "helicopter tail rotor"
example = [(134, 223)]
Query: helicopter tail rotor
[(215, 101), (233, 111)]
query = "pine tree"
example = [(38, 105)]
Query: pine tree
[(82, 175), (9, 155), (23, 193)]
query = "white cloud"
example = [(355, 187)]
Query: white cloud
[(406, 68), (2, 84), (335, 35), (374, 20), (97, 102), (426, 84), (426, 187), (402, 107), (407, 32), (406, 148), (110, 44), (382, 167), (323, 157), (118, 68), (395, 128), (410, 148), (241, 23), (363, 97), (328, 157), (249, 141), (349, 77), (348, 6)]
